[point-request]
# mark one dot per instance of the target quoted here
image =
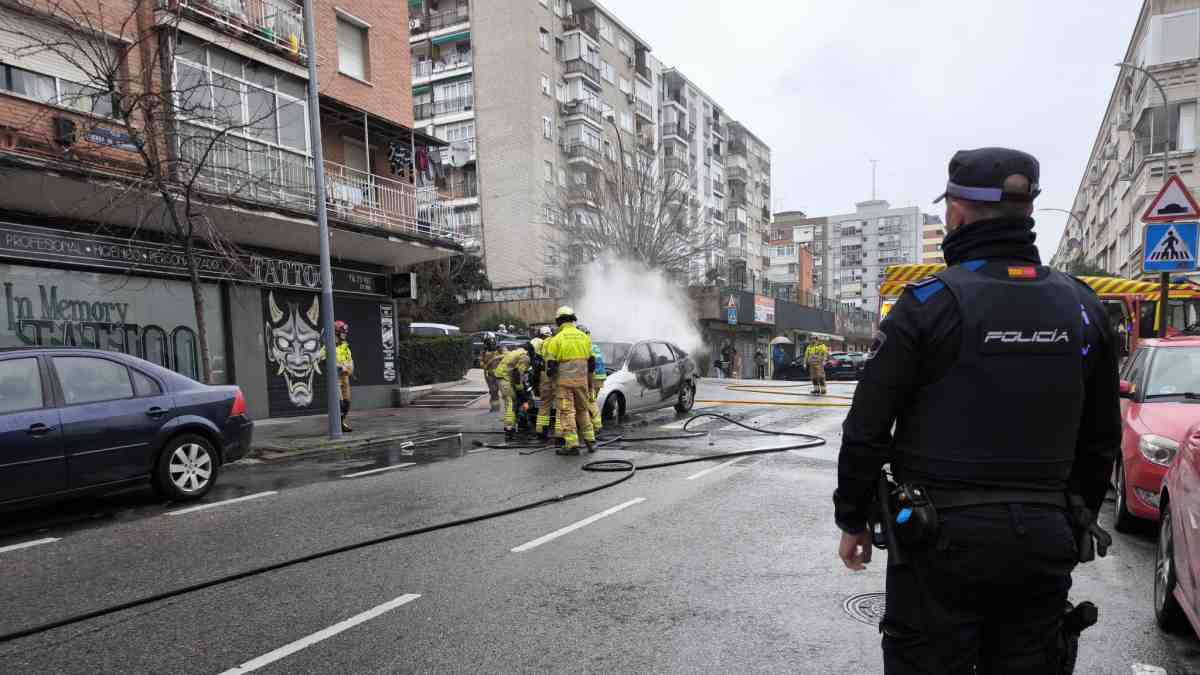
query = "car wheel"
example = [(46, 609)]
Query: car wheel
[(687, 398), (613, 409), (1167, 612), (1125, 521), (187, 468)]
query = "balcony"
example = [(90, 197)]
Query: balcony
[(582, 154), (718, 130), (737, 217), (437, 21), (644, 109), (584, 194), (678, 131), (675, 164), (737, 173), (450, 106), (735, 253), (585, 109), (581, 67), (577, 22), (736, 147), (643, 71), (374, 201), (715, 215), (275, 24), (428, 71), (677, 98), (465, 188)]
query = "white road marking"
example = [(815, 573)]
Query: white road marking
[(472, 452), (302, 643), (575, 526), (711, 469), (28, 544), (386, 468), (1143, 669), (204, 507)]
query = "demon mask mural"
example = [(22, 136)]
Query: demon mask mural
[(294, 346)]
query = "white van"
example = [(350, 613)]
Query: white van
[(428, 329)]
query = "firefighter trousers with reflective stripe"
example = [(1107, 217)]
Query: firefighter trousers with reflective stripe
[(548, 403), (574, 415), (508, 402), (594, 405), (987, 597)]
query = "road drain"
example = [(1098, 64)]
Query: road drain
[(865, 607)]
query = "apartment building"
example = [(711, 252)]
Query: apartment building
[(790, 273), (748, 170), (89, 254), (813, 235), (933, 230), (532, 98), (862, 244), (1125, 167)]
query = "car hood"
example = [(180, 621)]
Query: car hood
[(1167, 418)]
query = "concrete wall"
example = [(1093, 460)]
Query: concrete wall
[(533, 312), (247, 346)]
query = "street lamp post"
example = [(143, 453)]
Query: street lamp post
[(1072, 215), (1164, 280)]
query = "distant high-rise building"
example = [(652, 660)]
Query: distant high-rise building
[(861, 245), (932, 233)]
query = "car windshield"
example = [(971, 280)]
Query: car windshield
[(614, 353), (1174, 371)]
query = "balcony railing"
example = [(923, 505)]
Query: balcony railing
[(675, 164), (584, 108), (736, 147), (579, 22), (678, 130), (581, 151), (737, 173), (462, 189), (423, 111), (644, 70), (420, 24), (644, 109), (427, 69), (677, 98), (278, 23), (583, 67)]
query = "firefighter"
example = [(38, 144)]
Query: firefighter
[(488, 360), (510, 374), (569, 360), (598, 377), (544, 385), (345, 368), (815, 356)]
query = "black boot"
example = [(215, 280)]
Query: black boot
[(591, 446), (571, 452), (510, 435)]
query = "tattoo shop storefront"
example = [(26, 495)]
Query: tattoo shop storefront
[(262, 314)]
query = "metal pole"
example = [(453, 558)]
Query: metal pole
[(1164, 279), (332, 399)]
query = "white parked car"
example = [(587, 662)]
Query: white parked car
[(428, 329), (646, 375)]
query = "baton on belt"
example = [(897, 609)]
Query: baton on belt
[(883, 493)]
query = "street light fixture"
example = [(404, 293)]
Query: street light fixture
[(1164, 280)]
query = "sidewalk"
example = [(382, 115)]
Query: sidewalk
[(287, 437)]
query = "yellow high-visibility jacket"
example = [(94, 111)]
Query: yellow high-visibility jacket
[(570, 348)]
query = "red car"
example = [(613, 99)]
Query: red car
[(1160, 391), (1177, 565)]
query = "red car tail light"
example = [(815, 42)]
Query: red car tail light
[(239, 404)]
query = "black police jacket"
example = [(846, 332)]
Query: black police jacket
[(1018, 391)]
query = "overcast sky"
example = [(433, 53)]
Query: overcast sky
[(832, 84)]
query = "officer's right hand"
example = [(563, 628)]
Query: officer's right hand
[(855, 550)]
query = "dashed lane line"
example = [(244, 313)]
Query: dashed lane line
[(711, 469), (213, 505), (575, 526), (305, 642), (380, 470), (28, 544)]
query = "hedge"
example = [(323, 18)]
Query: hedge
[(428, 360)]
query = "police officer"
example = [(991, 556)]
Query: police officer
[(999, 376)]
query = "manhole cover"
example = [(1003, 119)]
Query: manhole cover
[(865, 607)]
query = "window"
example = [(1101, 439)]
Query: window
[(604, 27), (144, 385), (1172, 128), (88, 380), (460, 131), (624, 45), (352, 48), (793, 268), (543, 39), (562, 178), (46, 75), (608, 72), (549, 172), (662, 353), (1175, 37), (640, 358), (626, 121), (625, 86), (561, 92), (559, 7), (20, 385), (1174, 371), (547, 128), (546, 85)]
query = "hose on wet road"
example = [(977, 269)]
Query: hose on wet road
[(626, 468)]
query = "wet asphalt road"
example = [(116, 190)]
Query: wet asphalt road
[(707, 567)]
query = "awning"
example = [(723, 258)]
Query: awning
[(334, 111), (453, 37)]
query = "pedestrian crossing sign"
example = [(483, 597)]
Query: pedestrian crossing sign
[(1170, 247)]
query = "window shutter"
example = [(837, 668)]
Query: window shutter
[(351, 58), (23, 52)]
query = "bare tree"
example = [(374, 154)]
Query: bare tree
[(636, 208), (189, 132)]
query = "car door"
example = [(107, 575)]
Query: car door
[(108, 430), (668, 371), (1184, 480), (646, 384), (32, 459)]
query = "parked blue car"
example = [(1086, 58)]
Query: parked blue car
[(76, 420)]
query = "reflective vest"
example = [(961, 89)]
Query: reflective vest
[(816, 355), (1007, 411), (599, 373), (571, 348), (345, 360), (513, 366), (489, 361)]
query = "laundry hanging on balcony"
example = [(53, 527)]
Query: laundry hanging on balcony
[(400, 158)]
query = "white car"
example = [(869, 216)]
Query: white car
[(646, 375)]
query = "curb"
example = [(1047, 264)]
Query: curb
[(276, 453)]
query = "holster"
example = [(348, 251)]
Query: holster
[(1090, 538)]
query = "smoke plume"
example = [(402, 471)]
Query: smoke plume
[(625, 301)]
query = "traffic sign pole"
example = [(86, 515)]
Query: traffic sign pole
[(1173, 203)]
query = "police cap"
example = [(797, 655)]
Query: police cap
[(978, 175)]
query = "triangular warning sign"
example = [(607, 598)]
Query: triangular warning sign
[(1173, 202), (1170, 248)]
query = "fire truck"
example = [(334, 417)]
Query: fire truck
[(1129, 302)]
